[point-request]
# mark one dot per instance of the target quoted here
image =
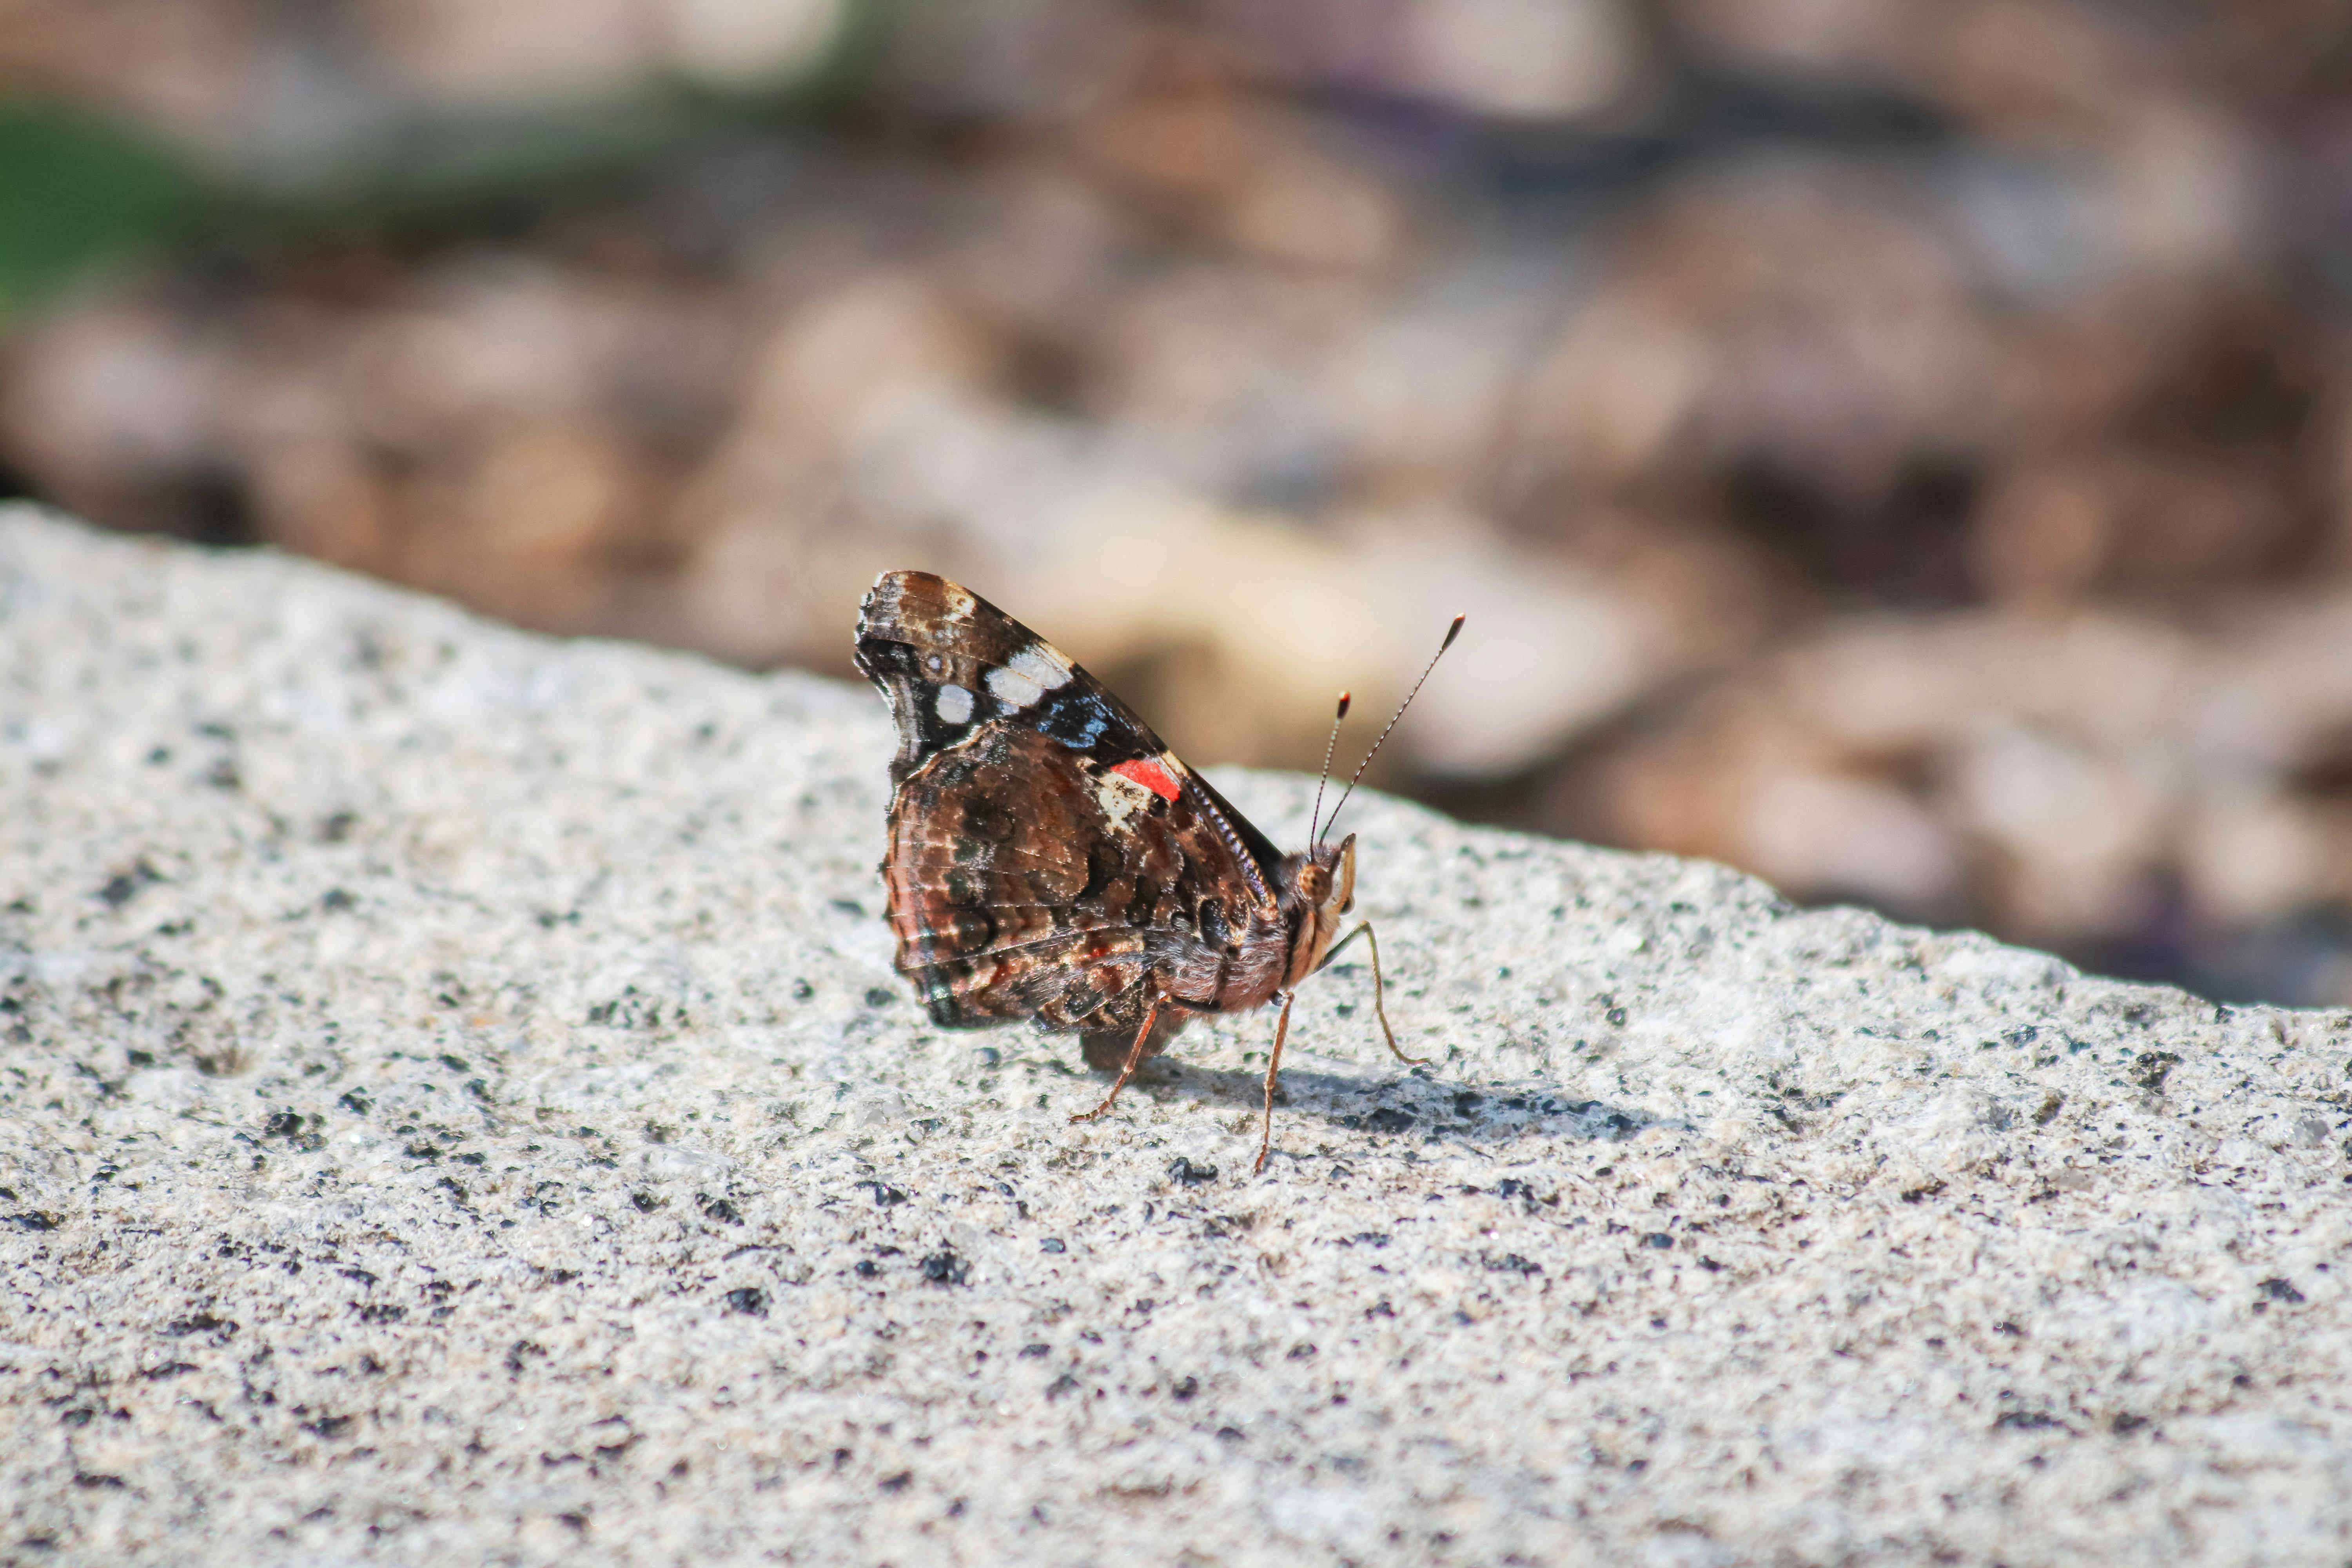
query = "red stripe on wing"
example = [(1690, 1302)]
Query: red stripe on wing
[(1147, 772)]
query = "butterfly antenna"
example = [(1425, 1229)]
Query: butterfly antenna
[(1451, 633), (1328, 747)]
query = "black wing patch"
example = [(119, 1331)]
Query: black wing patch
[(950, 664)]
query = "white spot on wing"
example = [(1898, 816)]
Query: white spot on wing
[(954, 704), (1013, 689), (1040, 664), (1119, 797)]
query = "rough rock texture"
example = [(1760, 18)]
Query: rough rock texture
[(458, 1108)]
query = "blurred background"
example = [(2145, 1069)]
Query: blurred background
[(1903, 448)]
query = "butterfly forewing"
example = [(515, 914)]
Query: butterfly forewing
[(1048, 858)]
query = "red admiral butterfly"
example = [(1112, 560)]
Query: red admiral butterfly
[(1051, 860)]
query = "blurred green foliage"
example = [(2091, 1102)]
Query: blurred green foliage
[(75, 192)]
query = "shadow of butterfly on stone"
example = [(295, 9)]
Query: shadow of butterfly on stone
[(1050, 859)]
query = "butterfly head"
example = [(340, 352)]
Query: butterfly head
[(1318, 889)]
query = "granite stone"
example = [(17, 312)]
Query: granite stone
[(456, 1106)]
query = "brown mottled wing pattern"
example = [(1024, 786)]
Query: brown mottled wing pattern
[(1047, 858)]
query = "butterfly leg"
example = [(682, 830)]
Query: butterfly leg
[(1272, 1066), (1380, 1010), (1134, 1060)]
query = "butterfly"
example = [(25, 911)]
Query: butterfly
[(1050, 859)]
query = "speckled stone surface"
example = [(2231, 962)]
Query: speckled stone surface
[(455, 1106)]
